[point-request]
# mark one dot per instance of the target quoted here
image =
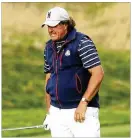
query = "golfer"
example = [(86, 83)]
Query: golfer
[(73, 78)]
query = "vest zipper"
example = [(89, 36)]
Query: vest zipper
[(57, 55), (57, 81), (56, 71)]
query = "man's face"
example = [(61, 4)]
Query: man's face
[(57, 32)]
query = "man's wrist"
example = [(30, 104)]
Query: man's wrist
[(85, 100)]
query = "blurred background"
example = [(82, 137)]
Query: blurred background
[(23, 42)]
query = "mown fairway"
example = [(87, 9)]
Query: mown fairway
[(113, 122)]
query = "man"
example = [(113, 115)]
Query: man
[(73, 78)]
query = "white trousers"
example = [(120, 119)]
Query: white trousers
[(62, 123)]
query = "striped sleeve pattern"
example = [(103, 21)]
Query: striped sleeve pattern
[(46, 66), (88, 53)]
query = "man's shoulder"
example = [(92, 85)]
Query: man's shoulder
[(83, 36), (48, 43)]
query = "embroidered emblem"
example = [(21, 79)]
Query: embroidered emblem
[(67, 53), (49, 14)]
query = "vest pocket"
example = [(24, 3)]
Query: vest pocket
[(78, 83)]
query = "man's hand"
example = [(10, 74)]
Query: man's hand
[(79, 115), (46, 122)]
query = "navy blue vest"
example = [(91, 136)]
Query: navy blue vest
[(69, 79)]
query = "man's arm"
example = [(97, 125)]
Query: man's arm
[(97, 75), (47, 96)]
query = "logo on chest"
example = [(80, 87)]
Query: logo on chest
[(67, 53)]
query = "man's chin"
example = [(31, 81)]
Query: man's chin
[(54, 38)]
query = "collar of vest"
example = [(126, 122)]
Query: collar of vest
[(71, 36)]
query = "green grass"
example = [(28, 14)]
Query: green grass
[(20, 118), (116, 131), (115, 89), (22, 77), (113, 122)]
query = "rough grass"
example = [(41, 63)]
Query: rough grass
[(106, 23), (23, 77), (116, 83)]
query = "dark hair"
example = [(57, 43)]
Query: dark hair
[(71, 24)]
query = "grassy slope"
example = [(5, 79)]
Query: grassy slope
[(23, 78), (116, 84)]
